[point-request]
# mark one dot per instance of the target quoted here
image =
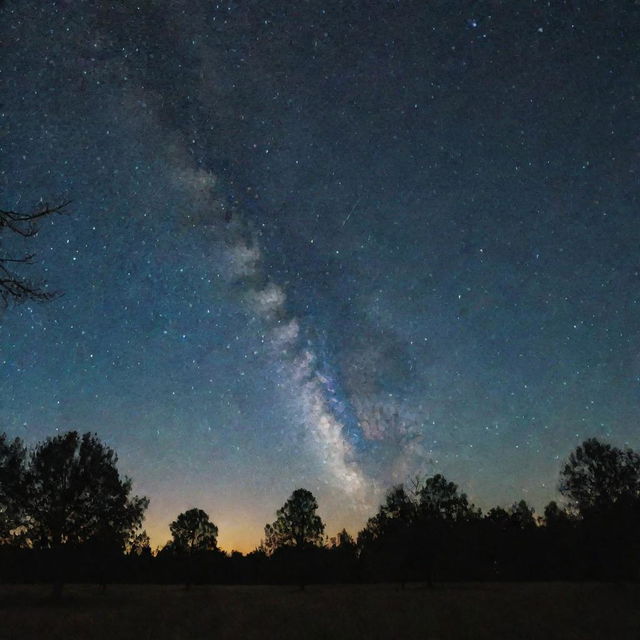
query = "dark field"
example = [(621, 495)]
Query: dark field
[(470, 611)]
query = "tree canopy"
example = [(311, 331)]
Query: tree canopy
[(13, 490), (76, 494), (598, 475), (431, 501), (68, 515), (296, 524), (439, 499), (192, 531)]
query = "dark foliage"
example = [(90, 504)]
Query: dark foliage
[(296, 525), (193, 549), (598, 476), (293, 541), (13, 490), (192, 532), (67, 504), (76, 495), (64, 506), (602, 483)]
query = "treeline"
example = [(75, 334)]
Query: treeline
[(66, 515)]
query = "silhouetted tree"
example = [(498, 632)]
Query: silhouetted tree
[(510, 541), (444, 516), (78, 497), (412, 530), (67, 503), (598, 475), (555, 516), (194, 545), (396, 513), (13, 489), (14, 287), (294, 539), (388, 540), (343, 558), (344, 540), (139, 559), (439, 499), (192, 531), (518, 516), (602, 483), (498, 516), (521, 515), (560, 551), (139, 545), (296, 525)]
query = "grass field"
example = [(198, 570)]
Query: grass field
[(453, 611)]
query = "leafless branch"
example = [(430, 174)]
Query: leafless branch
[(14, 288)]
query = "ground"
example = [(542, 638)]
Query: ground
[(446, 612)]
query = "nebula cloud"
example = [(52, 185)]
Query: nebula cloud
[(309, 389)]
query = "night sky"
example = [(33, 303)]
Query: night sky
[(325, 244)]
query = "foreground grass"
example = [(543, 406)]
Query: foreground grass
[(447, 612)]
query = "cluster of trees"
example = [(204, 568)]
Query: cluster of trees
[(66, 496), (66, 514), (432, 531)]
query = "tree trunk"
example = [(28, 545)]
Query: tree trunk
[(58, 572)]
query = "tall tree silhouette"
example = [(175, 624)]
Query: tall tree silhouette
[(414, 529), (192, 531), (556, 516), (77, 496), (342, 558), (439, 499), (294, 541), (602, 483), (139, 545), (296, 524), (521, 515), (396, 513), (387, 540), (598, 475), (344, 541), (13, 490), (15, 287), (193, 544)]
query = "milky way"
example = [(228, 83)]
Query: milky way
[(328, 245)]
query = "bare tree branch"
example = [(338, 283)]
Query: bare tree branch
[(15, 288)]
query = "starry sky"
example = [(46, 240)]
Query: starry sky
[(325, 244)]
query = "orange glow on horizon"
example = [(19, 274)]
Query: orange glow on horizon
[(231, 539)]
